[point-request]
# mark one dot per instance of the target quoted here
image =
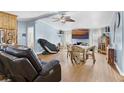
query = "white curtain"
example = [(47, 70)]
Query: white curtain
[(94, 35)]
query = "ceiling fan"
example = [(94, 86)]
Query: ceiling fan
[(63, 18)]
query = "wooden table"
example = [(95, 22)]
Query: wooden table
[(84, 47)]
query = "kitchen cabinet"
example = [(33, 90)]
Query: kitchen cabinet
[(8, 24)]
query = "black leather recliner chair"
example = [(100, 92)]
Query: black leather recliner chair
[(48, 47), (22, 64), (1, 69)]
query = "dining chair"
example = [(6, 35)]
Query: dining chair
[(77, 55), (91, 52)]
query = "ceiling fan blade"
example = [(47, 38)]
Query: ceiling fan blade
[(55, 20), (70, 20)]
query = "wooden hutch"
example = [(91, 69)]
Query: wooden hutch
[(8, 28), (104, 41)]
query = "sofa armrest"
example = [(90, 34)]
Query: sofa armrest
[(50, 67), (51, 72)]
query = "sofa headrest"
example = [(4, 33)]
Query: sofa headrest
[(17, 51), (42, 41), (27, 53)]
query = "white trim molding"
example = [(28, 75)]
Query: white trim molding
[(120, 72)]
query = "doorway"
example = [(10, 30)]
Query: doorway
[(30, 37)]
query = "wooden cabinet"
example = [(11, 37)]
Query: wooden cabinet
[(111, 56), (1, 20), (102, 48), (103, 43), (8, 24), (10, 37)]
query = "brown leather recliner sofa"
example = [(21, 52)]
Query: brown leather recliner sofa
[(22, 65)]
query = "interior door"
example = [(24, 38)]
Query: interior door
[(30, 37)]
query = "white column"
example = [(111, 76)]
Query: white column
[(67, 38)]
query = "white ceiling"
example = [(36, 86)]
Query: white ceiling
[(24, 15), (84, 19)]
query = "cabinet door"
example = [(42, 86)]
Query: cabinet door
[(5, 21), (9, 21), (0, 20), (3, 24), (13, 22)]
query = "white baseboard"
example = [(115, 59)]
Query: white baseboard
[(120, 72)]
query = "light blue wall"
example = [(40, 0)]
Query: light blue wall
[(117, 45), (123, 42), (21, 30), (41, 30), (47, 32)]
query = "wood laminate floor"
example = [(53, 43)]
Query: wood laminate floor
[(100, 72)]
